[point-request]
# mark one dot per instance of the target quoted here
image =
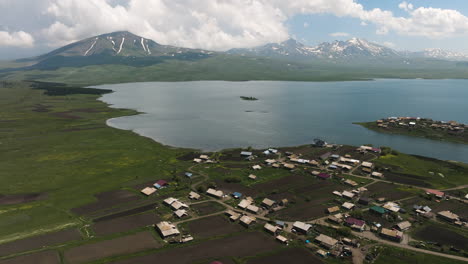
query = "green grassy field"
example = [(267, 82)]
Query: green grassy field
[(391, 255), (61, 145), (453, 173)]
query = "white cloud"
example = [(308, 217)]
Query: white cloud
[(339, 34), (306, 25), (406, 6), (224, 24), (16, 39), (389, 44)]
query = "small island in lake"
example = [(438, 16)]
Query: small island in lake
[(451, 131), (249, 98)]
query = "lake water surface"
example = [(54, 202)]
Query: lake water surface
[(209, 115)]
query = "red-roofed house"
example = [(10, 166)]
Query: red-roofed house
[(355, 223), (438, 194), (324, 176)]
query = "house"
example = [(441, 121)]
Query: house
[(326, 241), (333, 209), (325, 156), (169, 201), (244, 203), (337, 193), (253, 209), (271, 228), (289, 166), (356, 224), (177, 205), (233, 216), (197, 160), (378, 210), (436, 193), (148, 191), (448, 216), (354, 162), (270, 161), (181, 213), (194, 196), (247, 220), (322, 253), (394, 235), (276, 165), (377, 175), (337, 218), (301, 227), (350, 182), (284, 202), (315, 173), (367, 164), (204, 157), (167, 229), (282, 239), (364, 200), (405, 225), (333, 167), (280, 224), (347, 205), (237, 195), (188, 174), (313, 163), (324, 176), (391, 206), (215, 193), (335, 156), (246, 153), (256, 167), (252, 177), (161, 184), (348, 195), (268, 203)]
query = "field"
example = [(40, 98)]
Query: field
[(44, 257), (242, 245), (107, 248), (422, 171), (390, 191), (391, 255), (69, 159), (292, 255), (442, 234), (124, 224), (213, 226), (38, 242), (207, 208)]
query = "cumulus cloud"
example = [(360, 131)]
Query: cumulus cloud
[(339, 34), (306, 25), (224, 24), (16, 39)]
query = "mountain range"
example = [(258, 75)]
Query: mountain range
[(125, 57)]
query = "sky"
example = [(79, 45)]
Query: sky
[(33, 27)]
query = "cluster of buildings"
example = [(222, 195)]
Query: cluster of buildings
[(179, 208), (203, 159), (412, 122), (156, 186)]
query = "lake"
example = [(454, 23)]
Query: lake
[(210, 115)]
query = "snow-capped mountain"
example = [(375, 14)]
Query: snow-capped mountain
[(441, 54), (288, 48), (121, 43)]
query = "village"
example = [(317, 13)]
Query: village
[(421, 127), (316, 203)]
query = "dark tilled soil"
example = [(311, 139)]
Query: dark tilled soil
[(125, 223), (44, 257), (387, 190), (39, 241), (245, 244), (65, 115), (407, 179), (107, 248), (106, 200), (189, 156), (213, 226), (292, 255), (207, 208), (236, 187), (132, 211), (21, 198), (443, 236)]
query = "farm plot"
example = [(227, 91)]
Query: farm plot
[(445, 236), (388, 190), (242, 245), (212, 226), (107, 248), (227, 187), (292, 255), (124, 224), (106, 200), (44, 257), (407, 179), (39, 241), (21, 198), (207, 208)]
